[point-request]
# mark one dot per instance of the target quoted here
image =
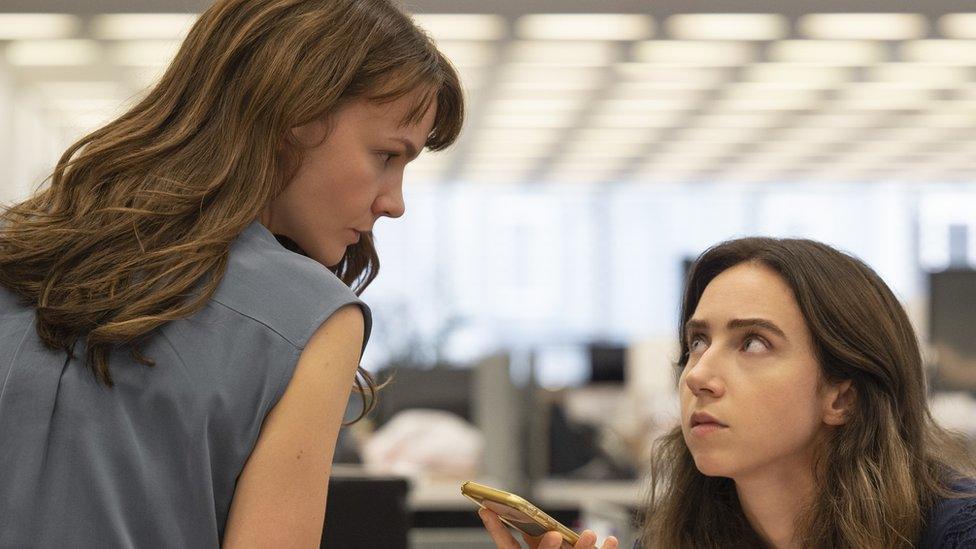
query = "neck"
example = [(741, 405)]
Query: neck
[(772, 501)]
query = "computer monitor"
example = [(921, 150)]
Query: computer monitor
[(952, 323)]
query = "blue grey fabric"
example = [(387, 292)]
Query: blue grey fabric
[(153, 461), (951, 523)]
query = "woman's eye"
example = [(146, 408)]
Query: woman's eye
[(696, 345), (753, 344), (386, 156)]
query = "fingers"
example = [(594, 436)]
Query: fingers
[(497, 530), (587, 540), (552, 540)]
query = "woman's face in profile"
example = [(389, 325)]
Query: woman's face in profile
[(351, 176), (750, 394)]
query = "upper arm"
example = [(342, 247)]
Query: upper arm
[(280, 496)]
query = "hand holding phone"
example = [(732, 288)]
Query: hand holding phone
[(539, 530), (551, 540)]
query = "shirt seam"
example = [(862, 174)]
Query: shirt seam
[(262, 323)]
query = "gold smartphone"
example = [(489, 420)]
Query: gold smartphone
[(517, 512)]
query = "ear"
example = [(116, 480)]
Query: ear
[(311, 134), (839, 402)]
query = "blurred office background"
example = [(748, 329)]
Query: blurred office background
[(528, 300)]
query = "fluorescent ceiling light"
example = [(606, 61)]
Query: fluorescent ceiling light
[(531, 120), (838, 120), (499, 106), (695, 149), (578, 177), (603, 148), (144, 53), (958, 25), (625, 106), (954, 52), (694, 53), (788, 148), (881, 148), (512, 148), (727, 26), (507, 93), (717, 134), (814, 136), (480, 164), (746, 104), (468, 53), (922, 75), (506, 156), (27, 26), (655, 76), (863, 26), (745, 97), (913, 134), (614, 136), (556, 53), (521, 76), (589, 164), (789, 75), (466, 26), (841, 53), (736, 120), (586, 151), (520, 135), (142, 26), (883, 96), (649, 119), (657, 96), (955, 106), (585, 26), (57, 53)]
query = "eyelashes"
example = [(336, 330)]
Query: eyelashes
[(697, 338)]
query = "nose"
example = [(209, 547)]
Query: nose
[(390, 202), (702, 376)]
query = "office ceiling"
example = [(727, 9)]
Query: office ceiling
[(630, 92)]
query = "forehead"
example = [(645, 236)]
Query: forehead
[(750, 290), (398, 114)]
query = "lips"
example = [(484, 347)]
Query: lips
[(705, 419)]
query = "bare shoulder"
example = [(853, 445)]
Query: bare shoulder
[(280, 496)]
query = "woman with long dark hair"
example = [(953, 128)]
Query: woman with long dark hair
[(804, 420), (174, 373)]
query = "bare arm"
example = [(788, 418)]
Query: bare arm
[(280, 496)]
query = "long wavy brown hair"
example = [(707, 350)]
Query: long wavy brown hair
[(879, 474), (135, 227)]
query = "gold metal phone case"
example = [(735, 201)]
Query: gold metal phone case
[(516, 511)]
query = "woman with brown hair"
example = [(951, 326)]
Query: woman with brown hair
[(174, 373), (804, 420)]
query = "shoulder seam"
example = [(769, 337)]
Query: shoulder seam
[(265, 324)]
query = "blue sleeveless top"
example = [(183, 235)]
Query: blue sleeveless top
[(951, 523), (153, 461)]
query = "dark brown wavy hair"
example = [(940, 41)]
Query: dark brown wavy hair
[(135, 227), (877, 475)]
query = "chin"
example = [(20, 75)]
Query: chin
[(711, 465), (328, 258)]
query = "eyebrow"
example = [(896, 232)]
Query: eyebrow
[(412, 150), (738, 324)]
